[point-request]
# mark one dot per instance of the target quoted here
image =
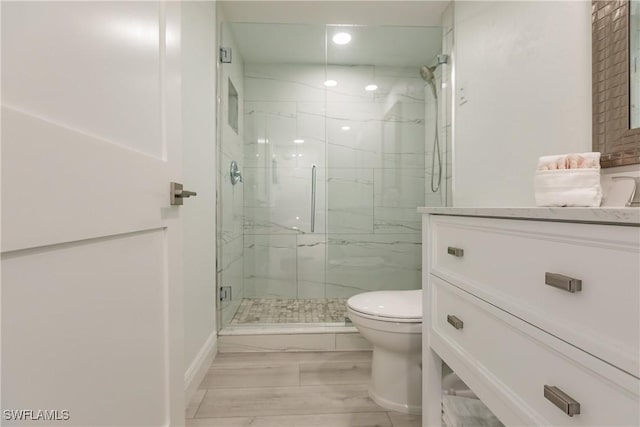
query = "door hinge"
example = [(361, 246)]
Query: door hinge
[(225, 55), (225, 293)]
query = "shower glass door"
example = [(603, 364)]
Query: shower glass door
[(376, 137), (334, 135)]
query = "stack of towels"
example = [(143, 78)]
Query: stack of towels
[(568, 180)]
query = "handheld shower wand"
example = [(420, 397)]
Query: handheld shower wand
[(428, 75)]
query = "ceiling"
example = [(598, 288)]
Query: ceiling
[(305, 44), (363, 12)]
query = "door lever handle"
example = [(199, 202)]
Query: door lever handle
[(185, 193), (178, 194)]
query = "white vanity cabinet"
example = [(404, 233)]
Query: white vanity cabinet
[(539, 316)]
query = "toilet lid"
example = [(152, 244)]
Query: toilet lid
[(391, 304)]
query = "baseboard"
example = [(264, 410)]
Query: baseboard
[(198, 368)]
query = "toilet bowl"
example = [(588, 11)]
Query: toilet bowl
[(392, 322)]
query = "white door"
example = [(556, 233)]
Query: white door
[(91, 248)]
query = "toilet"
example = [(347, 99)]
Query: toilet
[(392, 322)]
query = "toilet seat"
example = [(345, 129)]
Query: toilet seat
[(385, 324), (384, 319), (388, 306)]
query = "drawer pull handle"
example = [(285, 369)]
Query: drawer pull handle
[(456, 252), (566, 403), (565, 283), (454, 321)]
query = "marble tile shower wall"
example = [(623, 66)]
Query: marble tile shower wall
[(369, 150), (446, 112), (442, 197)]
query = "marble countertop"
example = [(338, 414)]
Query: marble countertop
[(626, 216)]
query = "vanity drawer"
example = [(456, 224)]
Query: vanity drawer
[(514, 361), (506, 263)]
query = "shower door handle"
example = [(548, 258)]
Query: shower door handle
[(313, 198)]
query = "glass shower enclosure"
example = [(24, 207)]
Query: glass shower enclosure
[(324, 150)]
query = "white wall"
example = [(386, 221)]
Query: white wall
[(199, 133), (525, 68)]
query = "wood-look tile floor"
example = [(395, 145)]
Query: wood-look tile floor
[(292, 389)]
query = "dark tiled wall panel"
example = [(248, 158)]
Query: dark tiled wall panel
[(610, 44)]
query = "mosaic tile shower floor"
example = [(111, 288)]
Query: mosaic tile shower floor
[(264, 310)]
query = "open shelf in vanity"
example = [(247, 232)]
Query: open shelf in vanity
[(461, 407)]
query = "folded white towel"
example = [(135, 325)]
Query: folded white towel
[(568, 187), (568, 180)]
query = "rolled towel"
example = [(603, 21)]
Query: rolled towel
[(575, 185), (570, 161), (576, 161)]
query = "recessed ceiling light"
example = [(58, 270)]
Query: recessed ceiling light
[(370, 88), (298, 141), (342, 38), (330, 83), (346, 128), (263, 141)]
